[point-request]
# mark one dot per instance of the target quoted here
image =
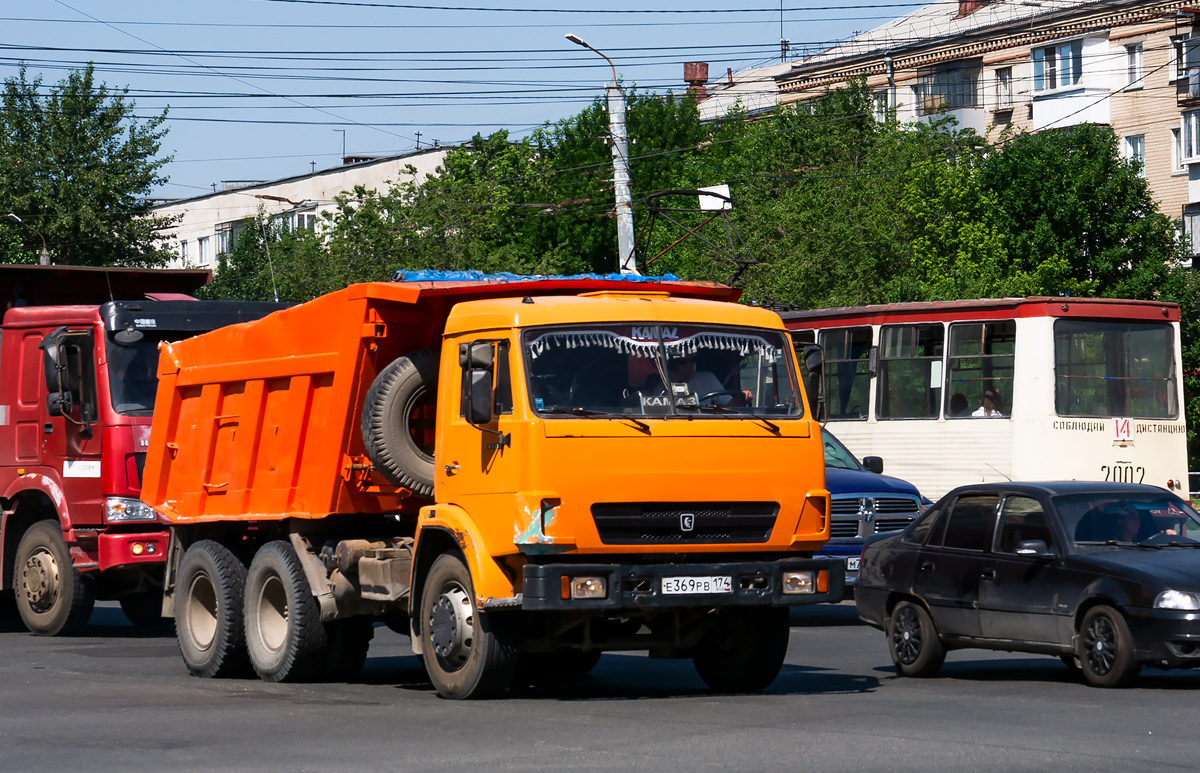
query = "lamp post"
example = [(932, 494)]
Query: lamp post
[(44, 255), (626, 260)]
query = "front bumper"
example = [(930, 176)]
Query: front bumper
[(639, 586), (122, 549), (1168, 638)]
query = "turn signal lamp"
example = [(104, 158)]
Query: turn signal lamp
[(795, 583), (137, 548)]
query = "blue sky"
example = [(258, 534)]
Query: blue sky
[(264, 89)]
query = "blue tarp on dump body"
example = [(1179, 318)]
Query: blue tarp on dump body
[(479, 276)]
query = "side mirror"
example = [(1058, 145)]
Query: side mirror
[(873, 464), (477, 359), (59, 404), (1035, 548), (814, 365)]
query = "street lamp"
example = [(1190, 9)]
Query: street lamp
[(44, 255), (626, 260)]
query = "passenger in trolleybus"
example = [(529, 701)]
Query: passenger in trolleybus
[(990, 407)]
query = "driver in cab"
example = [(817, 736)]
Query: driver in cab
[(702, 385)]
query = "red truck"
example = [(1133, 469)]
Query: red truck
[(79, 354)]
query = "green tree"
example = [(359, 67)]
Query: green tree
[(76, 166)]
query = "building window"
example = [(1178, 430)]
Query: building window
[(1190, 141), (1057, 67), (1135, 150), (227, 235), (1177, 165), (1133, 66), (304, 220), (183, 252), (954, 88), (1185, 53), (205, 248), (879, 105), (1191, 229), (1004, 96)]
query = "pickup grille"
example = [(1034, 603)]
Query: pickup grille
[(649, 523)]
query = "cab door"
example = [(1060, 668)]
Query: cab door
[(948, 568), (1019, 592)]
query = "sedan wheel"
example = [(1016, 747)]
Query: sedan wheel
[(913, 641), (1105, 649)]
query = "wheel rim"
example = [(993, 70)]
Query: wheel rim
[(907, 636), (272, 617), (1100, 645), (201, 611), (452, 627), (40, 580)]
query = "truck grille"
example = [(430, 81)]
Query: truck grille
[(684, 523), (861, 515)]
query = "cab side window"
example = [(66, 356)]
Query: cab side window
[(1022, 519), (970, 522)]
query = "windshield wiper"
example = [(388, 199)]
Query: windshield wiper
[(744, 414), (596, 414)]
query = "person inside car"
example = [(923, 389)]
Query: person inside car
[(703, 382)]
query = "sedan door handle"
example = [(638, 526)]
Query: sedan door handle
[(988, 574), (926, 566)]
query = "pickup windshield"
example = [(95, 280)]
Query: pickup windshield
[(133, 375), (660, 370)]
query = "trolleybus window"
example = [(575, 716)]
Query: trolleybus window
[(847, 353), (979, 360), (1120, 369), (910, 372)]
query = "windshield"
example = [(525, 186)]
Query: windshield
[(133, 375), (836, 454), (1149, 518), (656, 370)]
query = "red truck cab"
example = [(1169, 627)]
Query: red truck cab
[(76, 401)]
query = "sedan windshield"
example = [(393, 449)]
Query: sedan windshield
[(1128, 518), (659, 370)]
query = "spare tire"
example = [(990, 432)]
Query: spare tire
[(398, 421)]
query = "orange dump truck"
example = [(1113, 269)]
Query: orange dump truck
[(522, 472)]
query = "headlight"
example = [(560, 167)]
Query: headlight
[(1177, 599), (124, 509)]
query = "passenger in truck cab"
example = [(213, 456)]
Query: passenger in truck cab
[(703, 382)]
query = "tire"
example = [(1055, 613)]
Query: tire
[(349, 640), (913, 641), (209, 625), (1105, 649), (398, 421), (144, 609), (468, 653), (285, 637), (745, 650), (52, 597)]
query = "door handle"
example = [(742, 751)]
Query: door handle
[(926, 566), (988, 574), (452, 468)]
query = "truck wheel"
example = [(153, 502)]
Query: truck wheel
[(913, 641), (468, 653), (745, 650), (1106, 649), (284, 633), (398, 421), (52, 597), (144, 609), (208, 611), (349, 640)]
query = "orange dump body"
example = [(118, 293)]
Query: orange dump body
[(261, 421)]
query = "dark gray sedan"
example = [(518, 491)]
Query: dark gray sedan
[(1104, 575)]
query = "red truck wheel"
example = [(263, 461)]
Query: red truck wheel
[(745, 649), (468, 653), (398, 421), (208, 611), (52, 597), (284, 635)]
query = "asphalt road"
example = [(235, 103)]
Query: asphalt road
[(118, 699)]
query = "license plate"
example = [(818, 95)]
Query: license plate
[(852, 564), (682, 586)]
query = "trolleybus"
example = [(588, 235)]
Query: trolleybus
[(957, 392)]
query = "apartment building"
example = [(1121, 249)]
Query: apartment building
[(209, 225)]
